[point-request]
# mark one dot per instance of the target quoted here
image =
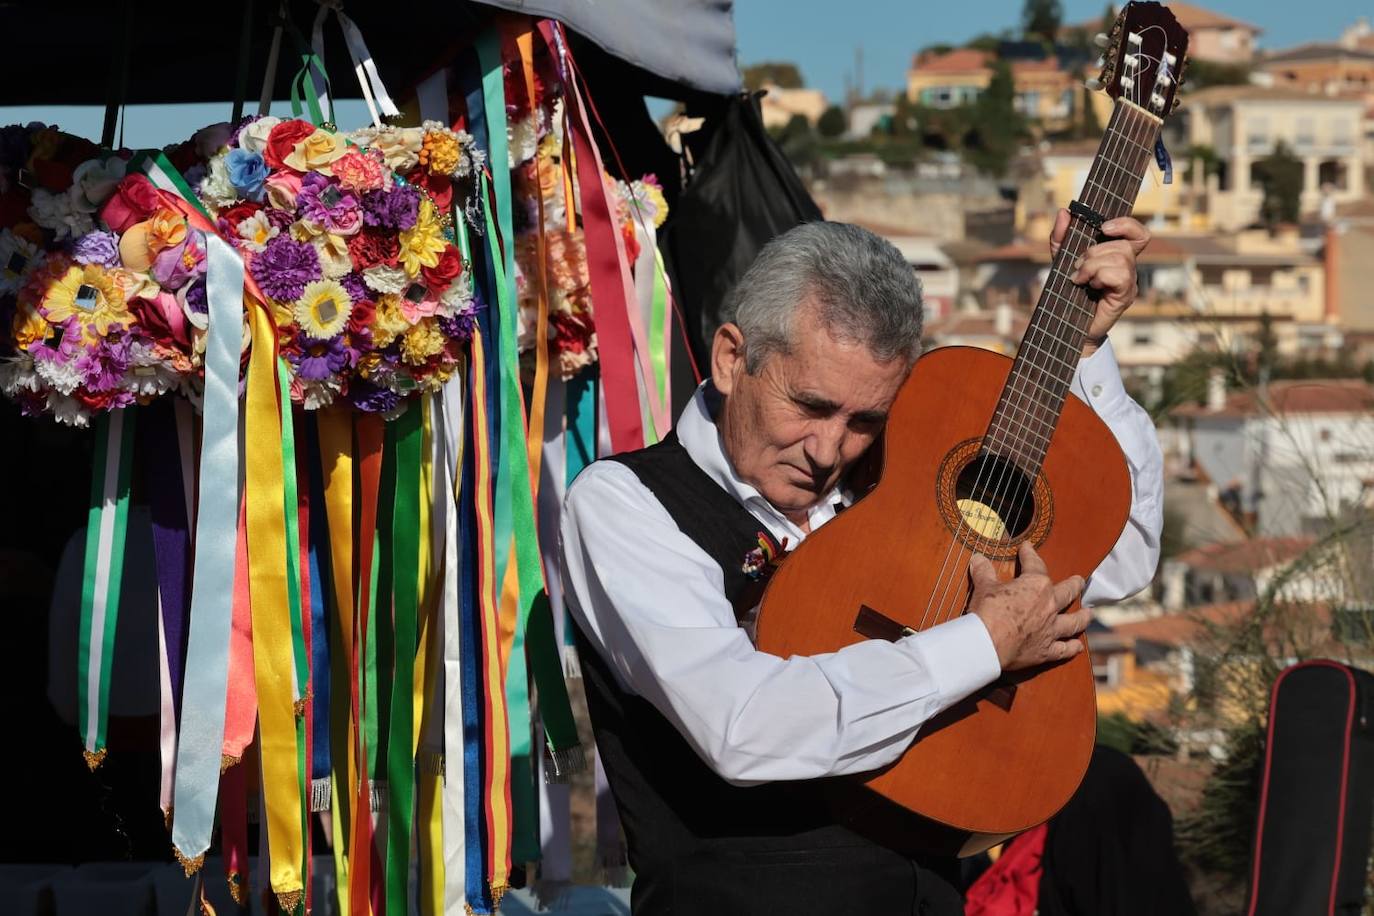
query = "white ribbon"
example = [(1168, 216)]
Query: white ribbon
[(448, 433), (363, 67)]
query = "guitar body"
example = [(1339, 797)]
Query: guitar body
[(990, 766)]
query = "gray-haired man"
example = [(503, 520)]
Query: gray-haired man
[(714, 750)]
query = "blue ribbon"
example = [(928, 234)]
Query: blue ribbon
[(200, 741), (319, 625)]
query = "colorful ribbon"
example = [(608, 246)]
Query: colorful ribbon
[(106, 523)]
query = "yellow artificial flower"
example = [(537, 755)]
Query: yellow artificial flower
[(91, 294), (167, 229), (317, 152), (323, 309), (388, 321), (421, 342), (29, 326), (440, 152), (422, 244), (335, 261)]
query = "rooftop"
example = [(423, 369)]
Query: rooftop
[(1246, 556), (1195, 17), (1225, 95), (1315, 51), (1292, 396), (1286, 623)]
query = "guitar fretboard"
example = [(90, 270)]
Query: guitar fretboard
[(1033, 398)]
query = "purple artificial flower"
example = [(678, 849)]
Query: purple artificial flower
[(284, 267), (197, 297), (196, 174), (323, 202), (98, 247), (103, 367), (282, 219), (373, 399), (174, 266), (355, 286), (397, 208), (318, 360), (460, 326)]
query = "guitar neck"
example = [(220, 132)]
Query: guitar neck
[(1033, 397)]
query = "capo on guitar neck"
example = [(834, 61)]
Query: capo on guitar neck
[(1087, 214)]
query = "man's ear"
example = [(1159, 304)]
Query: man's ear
[(727, 357)]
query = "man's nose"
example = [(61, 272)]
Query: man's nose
[(825, 445)]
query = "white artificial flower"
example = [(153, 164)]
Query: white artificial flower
[(384, 279), (315, 395), (523, 140), (217, 190), (58, 213), (18, 374), (254, 137), (335, 261), (399, 146), (457, 297), (256, 231), (68, 411), (58, 374), (18, 256), (148, 375), (94, 181)]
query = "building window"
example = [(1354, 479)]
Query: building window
[(1307, 134), (1341, 135), (1257, 134), (1143, 336), (1332, 172)]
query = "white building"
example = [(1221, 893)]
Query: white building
[(1290, 461)]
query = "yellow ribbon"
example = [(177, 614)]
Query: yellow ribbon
[(272, 654)]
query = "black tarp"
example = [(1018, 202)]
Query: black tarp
[(742, 193)]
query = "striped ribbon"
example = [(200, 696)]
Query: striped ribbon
[(455, 795), (106, 523)]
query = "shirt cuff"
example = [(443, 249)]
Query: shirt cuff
[(1097, 380), (959, 655)]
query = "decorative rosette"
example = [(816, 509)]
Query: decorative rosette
[(346, 237), (102, 293)]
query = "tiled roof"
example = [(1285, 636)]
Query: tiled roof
[(1292, 396), (1246, 556), (1195, 17), (959, 60), (1310, 622)]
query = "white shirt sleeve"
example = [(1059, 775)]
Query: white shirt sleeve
[(1131, 564), (652, 603)]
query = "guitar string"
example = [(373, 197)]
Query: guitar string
[(1129, 184), (1018, 399), (1020, 445), (998, 427)]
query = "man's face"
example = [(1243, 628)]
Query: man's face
[(793, 429)]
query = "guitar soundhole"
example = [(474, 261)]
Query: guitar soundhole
[(995, 497), (989, 503)]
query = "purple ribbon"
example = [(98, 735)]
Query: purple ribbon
[(162, 482)]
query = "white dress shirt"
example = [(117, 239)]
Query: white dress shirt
[(652, 603)]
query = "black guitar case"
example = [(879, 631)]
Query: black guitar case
[(1316, 808)]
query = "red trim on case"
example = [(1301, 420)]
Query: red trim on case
[(1264, 789)]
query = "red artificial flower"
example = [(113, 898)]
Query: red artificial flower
[(360, 322), (135, 200), (372, 247), (236, 214), (445, 272), (161, 316), (632, 246), (183, 156), (283, 138), (440, 187), (54, 171)]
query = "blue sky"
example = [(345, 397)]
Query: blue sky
[(820, 35)]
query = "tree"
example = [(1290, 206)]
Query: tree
[(1041, 19), (997, 127), (782, 74), (1280, 174), (832, 122)]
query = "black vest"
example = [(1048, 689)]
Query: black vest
[(699, 845)]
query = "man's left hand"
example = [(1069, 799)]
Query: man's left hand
[(1107, 266)]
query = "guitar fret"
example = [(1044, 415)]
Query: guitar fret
[(1040, 349), (1108, 191), (1010, 419), (1078, 307), (1130, 175), (1128, 141)]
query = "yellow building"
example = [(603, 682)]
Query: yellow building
[(1063, 171), (1242, 125), (779, 105), (1045, 91)]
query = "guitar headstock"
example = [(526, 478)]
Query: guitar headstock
[(1146, 54)]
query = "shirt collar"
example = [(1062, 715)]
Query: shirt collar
[(697, 431)]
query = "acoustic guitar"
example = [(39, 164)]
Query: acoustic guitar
[(980, 453)]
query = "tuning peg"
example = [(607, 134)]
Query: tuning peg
[(1101, 62), (1101, 39), (1093, 84)]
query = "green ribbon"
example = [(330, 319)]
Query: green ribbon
[(106, 523), (405, 585), (658, 329), (560, 729), (514, 499)]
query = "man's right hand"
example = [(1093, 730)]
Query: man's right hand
[(1023, 614)]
